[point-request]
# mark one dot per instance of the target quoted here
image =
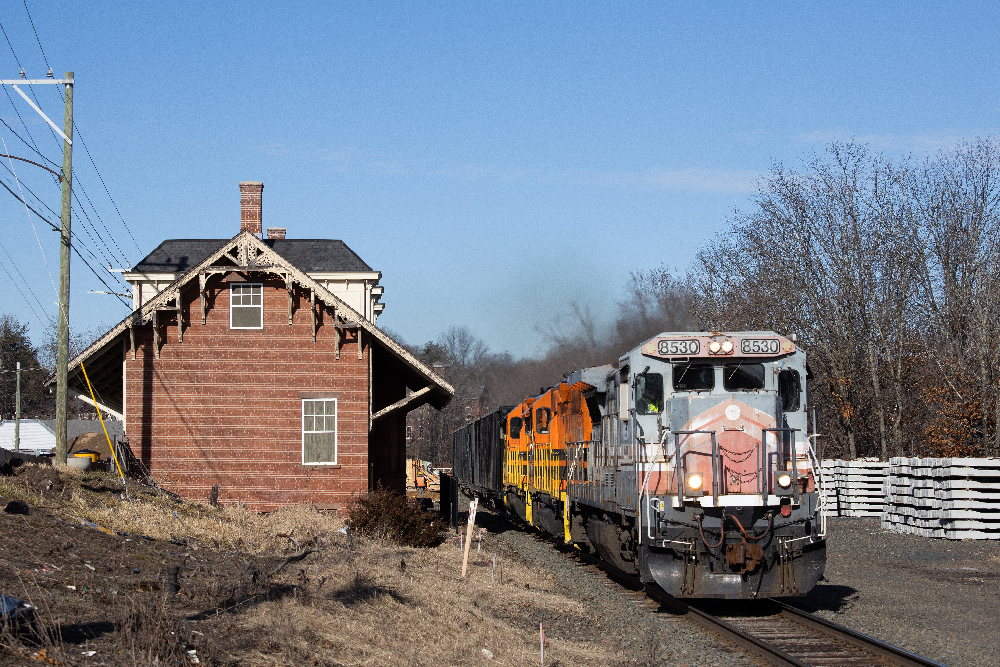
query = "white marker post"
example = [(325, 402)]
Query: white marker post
[(468, 534)]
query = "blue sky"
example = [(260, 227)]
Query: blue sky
[(496, 161)]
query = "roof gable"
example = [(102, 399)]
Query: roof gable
[(246, 252)]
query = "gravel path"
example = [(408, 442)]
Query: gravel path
[(937, 598)]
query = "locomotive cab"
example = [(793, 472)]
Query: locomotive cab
[(729, 504)]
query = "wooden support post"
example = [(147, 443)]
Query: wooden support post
[(201, 292), (312, 310), (288, 286), (180, 319), (359, 344), (338, 337), (468, 533), (131, 339), (156, 334)]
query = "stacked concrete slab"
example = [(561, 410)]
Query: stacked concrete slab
[(854, 488), (957, 498)]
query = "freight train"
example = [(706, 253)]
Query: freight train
[(687, 464)]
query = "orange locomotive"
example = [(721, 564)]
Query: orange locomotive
[(686, 464)]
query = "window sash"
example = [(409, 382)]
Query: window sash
[(246, 306), (319, 431)]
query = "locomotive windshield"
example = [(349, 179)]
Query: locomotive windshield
[(650, 391), (743, 377), (694, 377), (515, 427)]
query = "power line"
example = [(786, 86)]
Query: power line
[(74, 246), (120, 216), (89, 154), (7, 92), (101, 245), (77, 239), (30, 221), (87, 150), (36, 34), (14, 282), (101, 220), (29, 146)]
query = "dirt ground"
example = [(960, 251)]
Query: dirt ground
[(97, 572)]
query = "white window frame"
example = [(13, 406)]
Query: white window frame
[(335, 431), (232, 287)]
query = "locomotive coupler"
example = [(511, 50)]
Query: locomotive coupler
[(744, 555)]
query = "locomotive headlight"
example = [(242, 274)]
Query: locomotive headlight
[(784, 480), (714, 347), (727, 346), (695, 482)]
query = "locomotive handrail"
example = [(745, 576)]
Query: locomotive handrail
[(644, 491), (780, 451)]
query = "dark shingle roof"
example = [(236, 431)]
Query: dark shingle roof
[(179, 255)]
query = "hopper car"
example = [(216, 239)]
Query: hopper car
[(688, 464)]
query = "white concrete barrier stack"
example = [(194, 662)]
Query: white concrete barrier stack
[(854, 488), (956, 498)]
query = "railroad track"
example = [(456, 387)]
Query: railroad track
[(784, 636), (774, 632)]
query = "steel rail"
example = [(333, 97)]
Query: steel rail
[(881, 651), (894, 654)]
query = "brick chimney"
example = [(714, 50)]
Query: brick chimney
[(251, 193), (275, 232)]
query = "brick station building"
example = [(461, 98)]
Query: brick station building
[(255, 364)]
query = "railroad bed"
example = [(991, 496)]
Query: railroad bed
[(933, 598)]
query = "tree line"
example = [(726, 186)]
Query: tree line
[(37, 363), (887, 271)]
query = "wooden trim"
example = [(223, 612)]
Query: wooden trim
[(156, 333), (202, 280), (312, 310), (265, 258), (180, 319), (319, 394), (400, 404)]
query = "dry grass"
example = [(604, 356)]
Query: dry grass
[(99, 498), (381, 604)]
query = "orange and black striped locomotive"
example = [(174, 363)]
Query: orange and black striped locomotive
[(688, 464)]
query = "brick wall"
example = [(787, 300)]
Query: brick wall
[(224, 406)]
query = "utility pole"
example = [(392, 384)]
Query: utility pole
[(17, 411), (62, 352)]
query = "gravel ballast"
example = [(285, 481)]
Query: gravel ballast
[(626, 623), (935, 598)]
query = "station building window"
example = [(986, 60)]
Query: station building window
[(319, 431), (246, 306)]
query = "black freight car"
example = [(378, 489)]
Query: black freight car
[(477, 453)]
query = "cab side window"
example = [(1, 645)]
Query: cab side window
[(542, 418), (790, 390), (649, 388), (515, 427)]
